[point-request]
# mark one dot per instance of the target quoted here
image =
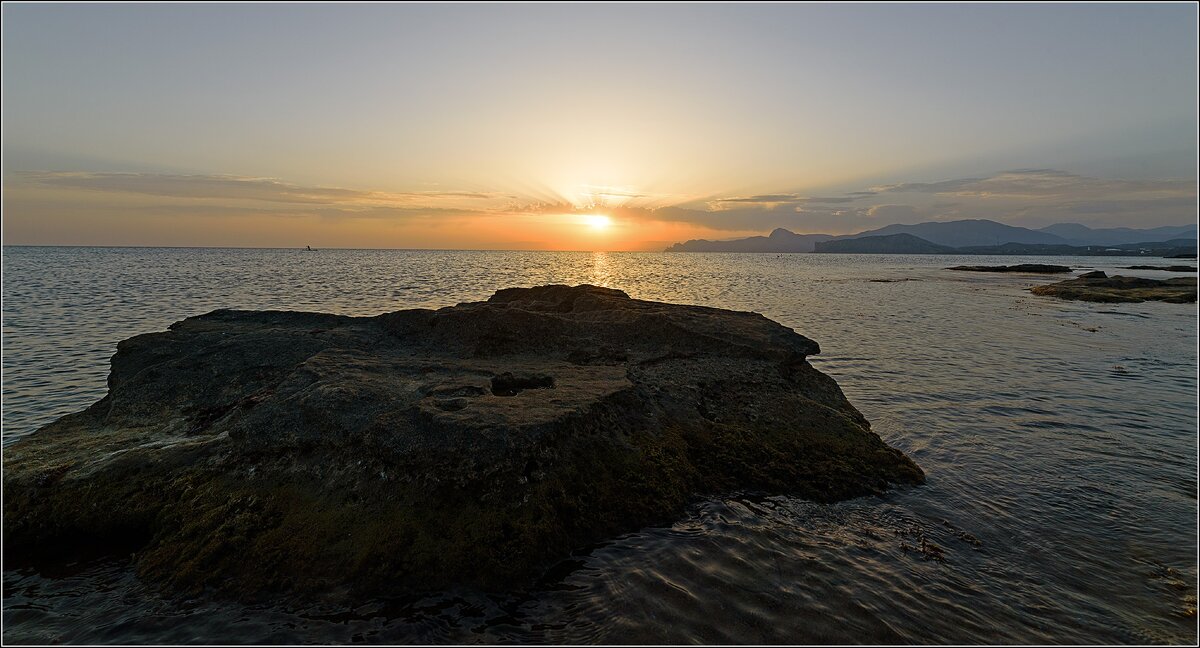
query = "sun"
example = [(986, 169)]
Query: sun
[(597, 221)]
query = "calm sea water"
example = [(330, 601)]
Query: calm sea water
[(1059, 439)]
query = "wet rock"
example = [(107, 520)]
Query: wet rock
[(1037, 268), (260, 453), (1174, 268), (1099, 287)]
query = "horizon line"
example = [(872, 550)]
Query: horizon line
[(235, 247), (659, 251)]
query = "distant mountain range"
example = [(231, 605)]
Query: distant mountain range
[(780, 240), (887, 244), (950, 234), (1076, 234), (969, 232), (909, 244)]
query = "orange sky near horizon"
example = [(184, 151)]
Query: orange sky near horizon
[(36, 215), (160, 209)]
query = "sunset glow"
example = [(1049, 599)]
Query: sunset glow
[(555, 128), (597, 221)]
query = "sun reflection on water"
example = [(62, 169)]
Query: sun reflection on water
[(601, 272)]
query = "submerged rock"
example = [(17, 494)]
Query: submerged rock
[(1038, 268), (272, 452), (1096, 286)]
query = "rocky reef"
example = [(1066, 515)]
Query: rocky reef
[(1099, 287), (1174, 268), (283, 453), (1036, 268)]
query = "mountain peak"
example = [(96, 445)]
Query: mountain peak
[(966, 232)]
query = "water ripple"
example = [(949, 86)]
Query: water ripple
[(1059, 439)]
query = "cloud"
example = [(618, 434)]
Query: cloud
[(603, 192), (833, 199), (1149, 205), (195, 186), (228, 187), (1032, 197), (892, 212), (1042, 183), (758, 217), (781, 199), (945, 186), (1027, 196), (764, 199)]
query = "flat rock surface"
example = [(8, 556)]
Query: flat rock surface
[(1099, 287), (260, 453), (1036, 268)]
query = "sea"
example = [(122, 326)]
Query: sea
[(1059, 439)]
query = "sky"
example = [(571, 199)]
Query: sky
[(600, 126)]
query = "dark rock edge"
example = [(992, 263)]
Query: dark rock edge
[(1033, 268)]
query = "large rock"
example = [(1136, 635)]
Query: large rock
[(1033, 268), (1174, 268), (1096, 286), (266, 452)]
